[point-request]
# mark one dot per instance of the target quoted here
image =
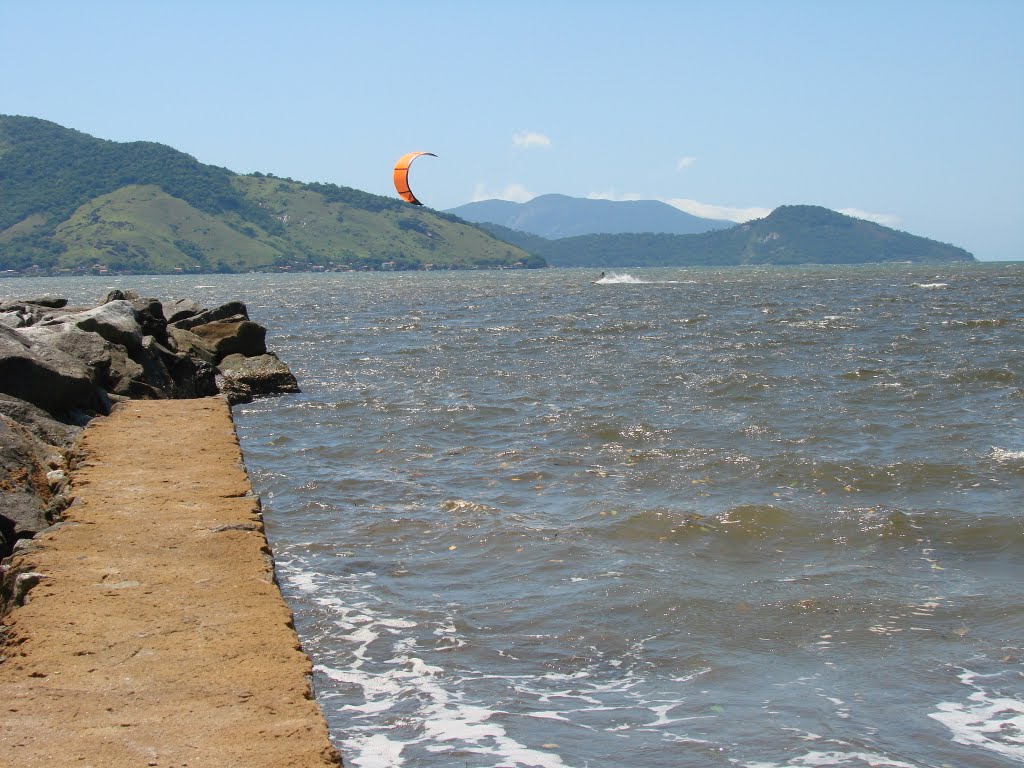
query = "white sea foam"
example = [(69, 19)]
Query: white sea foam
[(377, 691), (617, 280), (987, 720), (1003, 455), (816, 758), (930, 286), (375, 751)]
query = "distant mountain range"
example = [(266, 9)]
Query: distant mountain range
[(558, 216), (71, 203), (791, 234)]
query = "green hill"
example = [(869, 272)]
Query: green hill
[(73, 203), (791, 234)]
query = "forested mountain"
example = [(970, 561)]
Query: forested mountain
[(791, 234), (558, 216), (70, 202)]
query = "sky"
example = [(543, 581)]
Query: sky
[(905, 112)]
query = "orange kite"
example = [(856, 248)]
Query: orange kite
[(402, 176)]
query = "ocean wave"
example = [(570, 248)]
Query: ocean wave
[(986, 322), (645, 525), (1003, 456), (988, 718), (990, 375), (615, 279), (753, 523), (835, 757)]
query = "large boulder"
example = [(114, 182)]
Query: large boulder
[(60, 366), (193, 377), (90, 348), (187, 343), (223, 312), (49, 302), (47, 377), (21, 314), (139, 375), (182, 309), (242, 378), (32, 476), (115, 321), (234, 336), (40, 424), (149, 313)]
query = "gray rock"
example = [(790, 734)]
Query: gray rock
[(53, 302), (181, 309), (25, 492), (91, 348), (187, 343), (242, 378), (41, 425), (154, 369), (116, 294), (115, 321), (193, 377), (230, 338), (149, 313), (60, 366), (223, 312), (21, 314), (12, 319), (47, 377)]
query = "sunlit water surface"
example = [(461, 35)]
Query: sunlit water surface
[(756, 518)]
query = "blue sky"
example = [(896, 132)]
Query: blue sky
[(910, 113)]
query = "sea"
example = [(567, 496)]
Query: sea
[(743, 517)]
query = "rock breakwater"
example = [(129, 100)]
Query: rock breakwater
[(60, 366)]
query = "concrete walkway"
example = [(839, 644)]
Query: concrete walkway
[(157, 636)]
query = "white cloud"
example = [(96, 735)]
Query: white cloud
[(517, 193), (705, 210), (694, 207), (885, 219), (711, 211), (529, 140), (685, 162), (615, 196)]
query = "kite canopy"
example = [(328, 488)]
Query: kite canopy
[(402, 176)]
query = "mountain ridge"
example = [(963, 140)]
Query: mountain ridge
[(73, 203), (556, 216), (791, 234)]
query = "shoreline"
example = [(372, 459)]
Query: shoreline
[(154, 632)]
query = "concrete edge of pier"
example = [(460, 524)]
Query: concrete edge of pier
[(152, 631)]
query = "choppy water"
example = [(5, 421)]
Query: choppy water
[(755, 518)]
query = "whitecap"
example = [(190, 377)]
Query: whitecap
[(1001, 454), (985, 720), (614, 279), (374, 751), (816, 758)]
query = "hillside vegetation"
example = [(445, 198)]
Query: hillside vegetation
[(791, 234), (70, 202)]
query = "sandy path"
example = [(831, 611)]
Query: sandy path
[(157, 636)]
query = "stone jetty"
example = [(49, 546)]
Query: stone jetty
[(142, 623), (61, 366)]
